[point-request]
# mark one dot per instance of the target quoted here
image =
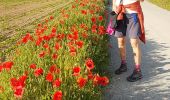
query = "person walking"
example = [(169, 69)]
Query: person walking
[(130, 22)]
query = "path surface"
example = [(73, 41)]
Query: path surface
[(155, 84)]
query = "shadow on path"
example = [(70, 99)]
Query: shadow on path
[(156, 72)]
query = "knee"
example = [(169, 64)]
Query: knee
[(134, 43), (121, 43)]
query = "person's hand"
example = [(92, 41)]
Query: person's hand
[(141, 0)]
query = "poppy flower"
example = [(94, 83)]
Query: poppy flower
[(33, 66), (57, 46), (89, 64), (79, 44), (18, 92), (100, 18), (54, 30), (53, 69), (45, 45), (38, 72), (57, 95), (57, 83), (49, 77), (54, 56), (38, 41), (84, 12), (1, 68), (104, 81), (81, 82), (8, 65), (42, 54), (76, 70), (51, 17), (93, 19), (18, 83)]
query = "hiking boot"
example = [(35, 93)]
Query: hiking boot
[(135, 76), (121, 69)]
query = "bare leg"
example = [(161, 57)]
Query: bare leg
[(136, 50), (122, 47)]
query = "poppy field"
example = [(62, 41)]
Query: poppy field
[(64, 58)]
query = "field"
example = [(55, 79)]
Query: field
[(20, 16), (162, 3), (54, 50)]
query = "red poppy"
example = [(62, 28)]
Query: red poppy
[(93, 19), (18, 83), (81, 82), (1, 68), (100, 18), (51, 17), (89, 64), (18, 92), (54, 56), (104, 81), (39, 25), (84, 35), (8, 65), (47, 38), (79, 44), (57, 95), (33, 66), (54, 30), (76, 70), (42, 54), (94, 26), (57, 46), (49, 77), (73, 6), (38, 72), (45, 45), (52, 68), (38, 41), (84, 12), (90, 75), (57, 83)]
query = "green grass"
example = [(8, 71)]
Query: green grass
[(162, 3)]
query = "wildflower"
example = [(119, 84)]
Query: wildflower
[(52, 68), (76, 70), (42, 54), (51, 17), (33, 66), (57, 83), (93, 19), (8, 65), (49, 77), (100, 18), (89, 64), (38, 72), (54, 56), (81, 82), (79, 44), (57, 95), (54, 30), (1, 68)]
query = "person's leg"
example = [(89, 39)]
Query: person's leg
[(137, 52), (122, 50), (136, 75)]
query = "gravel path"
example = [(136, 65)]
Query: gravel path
[(155, 84)]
